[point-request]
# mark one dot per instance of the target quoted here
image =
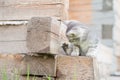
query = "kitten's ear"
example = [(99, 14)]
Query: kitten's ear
[(66, 22), (70, 21)]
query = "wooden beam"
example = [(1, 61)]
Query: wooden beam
[(75, 68), (38, 35), (41, 65), (24, 10), (35, 78), (43, 35)]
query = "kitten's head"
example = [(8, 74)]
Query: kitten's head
[(76, 32)]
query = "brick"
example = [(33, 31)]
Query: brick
[(78, 68), (38, 65)]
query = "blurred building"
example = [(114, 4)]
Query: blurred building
[(103, 18), (97, 14), (116, 32)]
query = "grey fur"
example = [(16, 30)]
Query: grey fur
[(78, 35)]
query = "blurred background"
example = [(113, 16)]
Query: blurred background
[(103, 18)]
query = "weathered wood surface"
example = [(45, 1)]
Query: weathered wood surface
[(13, 32), (41, 35), (13, 36), (14, 2), (74, 68), (9, 66), (58, 68), (20, 9), (38, 65), (35, 78), (13, 47)]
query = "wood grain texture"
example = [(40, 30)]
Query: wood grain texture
[(40, 34), (43, 35), (24, 10), (10, 66), (35, 78), (74, 68), (13, 47), (13, 32), (14, 2), (38, 65)]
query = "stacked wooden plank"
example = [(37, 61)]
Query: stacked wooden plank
[(25, 9), (74, 68), (40, 38), (39, 35), (44, 66)]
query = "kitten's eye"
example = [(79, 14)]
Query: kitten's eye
[(72, 34)]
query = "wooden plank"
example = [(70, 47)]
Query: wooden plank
[(13, 47), (43, 35), (9, 32), (30, 11), (39, 65), (74, 68), (46, 36), (20, 9), (35, 78), (14, 2), (13, 37), (10, 66)]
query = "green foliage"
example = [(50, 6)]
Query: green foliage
[(28, 72), (49, 78), (4, 74)]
